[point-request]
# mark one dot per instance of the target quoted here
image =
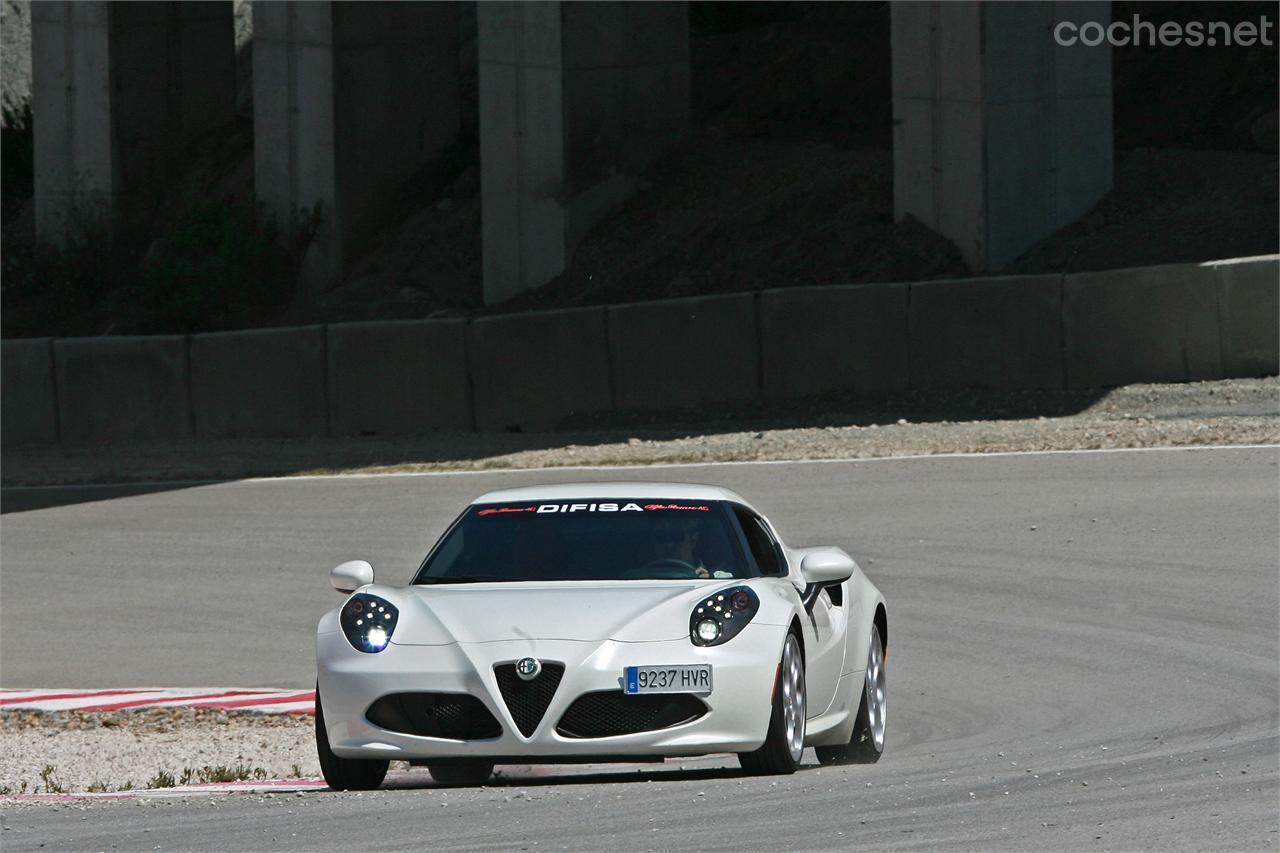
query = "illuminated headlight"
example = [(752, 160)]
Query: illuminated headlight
[(718, 617), (708, 630), (368, 621)]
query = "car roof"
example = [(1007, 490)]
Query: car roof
[(580, 491)]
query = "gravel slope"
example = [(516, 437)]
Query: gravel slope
[(1236, 411), (127, 750)]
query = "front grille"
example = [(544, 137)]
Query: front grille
[(528, 700), (610, 713), (454, 716)]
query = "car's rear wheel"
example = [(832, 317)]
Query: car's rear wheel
[(461, 772), (784, 742), (345, 774), (867, 744)]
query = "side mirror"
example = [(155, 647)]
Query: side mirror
[(826, 566), (351, 575)]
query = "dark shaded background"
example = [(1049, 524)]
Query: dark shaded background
[(784, 179)]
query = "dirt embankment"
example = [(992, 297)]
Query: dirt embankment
[(835, 427)]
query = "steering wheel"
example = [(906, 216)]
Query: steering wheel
[(668, 568)]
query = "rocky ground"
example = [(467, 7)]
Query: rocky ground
[(1236, 411), (65, 752)]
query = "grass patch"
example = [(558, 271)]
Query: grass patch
[(52, 785), (221, 773), (162, 779), (207, 775)]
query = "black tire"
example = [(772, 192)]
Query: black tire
[(862, 747), (461, 772), (345, 774), (777, 755)]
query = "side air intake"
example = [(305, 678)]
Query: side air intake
[(454, 716), (609, 713)]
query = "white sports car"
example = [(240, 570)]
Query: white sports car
[(601, 622)]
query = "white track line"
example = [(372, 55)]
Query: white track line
[(369, 475)]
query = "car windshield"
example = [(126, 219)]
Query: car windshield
[(588, 539)]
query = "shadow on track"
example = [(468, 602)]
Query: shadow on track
[(27, 499), (547, 776)]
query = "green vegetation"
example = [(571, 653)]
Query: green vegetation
[(222, 263), (222, 773), (162, 779), (16, 154), (207, 775), (51, 783)]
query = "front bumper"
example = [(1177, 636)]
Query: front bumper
[(737, 718)]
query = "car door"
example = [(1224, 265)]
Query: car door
[(824, 630)]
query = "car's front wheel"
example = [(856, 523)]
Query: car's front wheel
[(867, 743), (345, 774), (784, 743)]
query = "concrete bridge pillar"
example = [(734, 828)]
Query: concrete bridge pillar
[(575, 99), (350, 100), (118, 89), (1001, 136)]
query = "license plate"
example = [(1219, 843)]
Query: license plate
[(691, 678)]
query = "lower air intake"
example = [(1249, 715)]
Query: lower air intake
[(610, 713), (528, 700), (453, 716)]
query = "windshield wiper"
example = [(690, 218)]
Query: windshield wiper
[(467, 579)]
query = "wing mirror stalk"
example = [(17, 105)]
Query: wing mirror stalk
[(821, 568)]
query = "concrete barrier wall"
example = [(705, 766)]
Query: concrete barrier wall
[(684, 352), (531, 371), (266, 382), (1249, 315), (820, 339), (1155, 324), (398, 377), (987, 333), (122, 389), (28, 405)]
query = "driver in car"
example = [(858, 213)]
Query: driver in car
[(682, 539)]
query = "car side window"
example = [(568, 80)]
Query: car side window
[(764, 548)]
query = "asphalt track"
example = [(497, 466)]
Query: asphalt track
[(1084, 654)]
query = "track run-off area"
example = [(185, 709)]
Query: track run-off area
[(1084, 653)]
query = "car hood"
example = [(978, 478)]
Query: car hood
[(628, 611)]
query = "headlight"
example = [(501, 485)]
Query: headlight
[(719, 617), (368, 622)]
